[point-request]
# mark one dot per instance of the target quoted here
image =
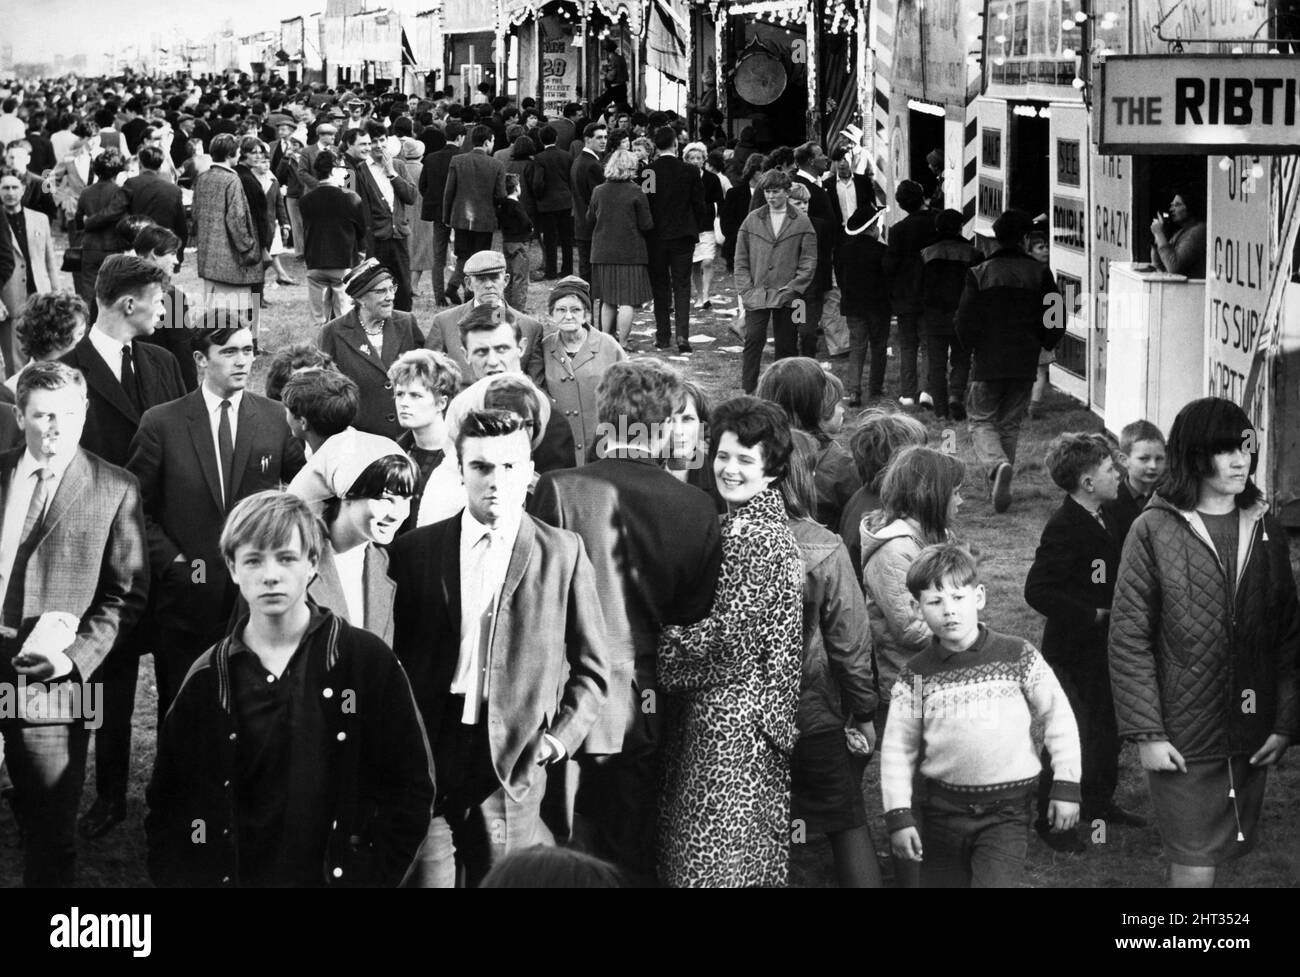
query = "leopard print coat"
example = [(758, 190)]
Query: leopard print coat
[(725, 810)]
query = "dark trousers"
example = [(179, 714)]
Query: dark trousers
[(868, 331), (949, 365), (47, 765), (556, 227), (441, 239), (617, 807), (670, 283), (1090, 698), (584, 259), (808, 317), (783, 330), (394, 253), (486, 823), (909, 343), (174, 651), (973, 845), (467, 243), (118, 675)]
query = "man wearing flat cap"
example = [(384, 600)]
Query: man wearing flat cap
[(284, 126), (486, 273), (367, 340), (326, 133)]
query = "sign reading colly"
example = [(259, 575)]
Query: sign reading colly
[(1198, 103)]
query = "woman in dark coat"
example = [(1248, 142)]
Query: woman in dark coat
[(1204, 633), (620, 217), (367, 341), (99, 208), (735, 205), (724, 817)]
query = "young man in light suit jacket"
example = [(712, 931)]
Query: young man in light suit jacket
[(498, 623), (74, 577)]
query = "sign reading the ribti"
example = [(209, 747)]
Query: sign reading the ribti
[(1198, 103)]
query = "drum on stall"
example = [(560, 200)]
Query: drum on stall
[(760, 78)]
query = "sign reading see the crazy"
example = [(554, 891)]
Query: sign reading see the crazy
[(1198, 103)]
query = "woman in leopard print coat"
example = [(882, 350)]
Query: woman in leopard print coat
[(724, 819)]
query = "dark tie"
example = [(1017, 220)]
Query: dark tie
[(13, 601), (226, 452), (129, 382)]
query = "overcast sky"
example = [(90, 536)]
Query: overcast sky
[(40, 28)]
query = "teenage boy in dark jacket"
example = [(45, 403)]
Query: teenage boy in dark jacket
[(1072, 583), (1009, 310), (295, 745), (943, 277)]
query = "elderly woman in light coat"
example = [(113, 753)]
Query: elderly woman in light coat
[(776, 257), (576, 358)]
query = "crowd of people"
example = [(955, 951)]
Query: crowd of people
[(451, 594)]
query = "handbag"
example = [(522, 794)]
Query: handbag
[(71, 260), (718, 237)]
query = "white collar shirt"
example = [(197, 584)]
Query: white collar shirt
[(483, 569)]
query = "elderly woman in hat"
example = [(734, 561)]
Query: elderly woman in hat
[(576, 358), (367, 340)]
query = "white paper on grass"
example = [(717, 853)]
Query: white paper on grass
[(702, 338), (731, 349)]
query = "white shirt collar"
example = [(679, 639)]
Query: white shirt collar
[(816, 181), (28, 464), (109, 348), (472, 530), (213, 402)]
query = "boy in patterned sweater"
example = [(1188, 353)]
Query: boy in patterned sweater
[(961, 712)]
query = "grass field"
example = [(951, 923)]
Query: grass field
[(1128, 858)]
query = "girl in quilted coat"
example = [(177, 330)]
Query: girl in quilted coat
[(1204, 634), (724, 817)]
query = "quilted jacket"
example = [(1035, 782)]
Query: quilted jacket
[(1212, 680), (897, 629)]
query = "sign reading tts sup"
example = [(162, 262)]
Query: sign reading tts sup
[(1198, 103)]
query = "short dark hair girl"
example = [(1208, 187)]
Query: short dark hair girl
[(756, 423), (1203, 429)]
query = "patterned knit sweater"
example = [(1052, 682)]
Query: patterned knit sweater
[(965, 718)]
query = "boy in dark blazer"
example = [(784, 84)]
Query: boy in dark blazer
[(195, 458), (498, 623), (587, 173), (1072, 584), (554, 196), (476, 185), (74, 579)]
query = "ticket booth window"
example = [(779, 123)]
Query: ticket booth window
[(1028, 173), (1156, 179)]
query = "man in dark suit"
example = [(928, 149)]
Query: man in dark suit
[(554, 196), (433, 185), (476, 185), (124, 377), (656, 550), (677, 205), (487, 276), (74, 576), (155, 198), (195, 457), (385, 194), (498, 623), (852, 196), (587, 173)]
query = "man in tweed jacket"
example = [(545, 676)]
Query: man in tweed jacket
[(75, 575), (229, 252)]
